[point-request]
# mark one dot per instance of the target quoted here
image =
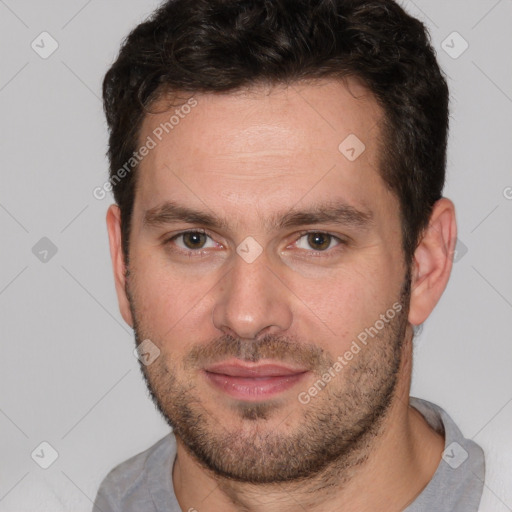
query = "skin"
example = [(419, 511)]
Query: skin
[(248, 156)]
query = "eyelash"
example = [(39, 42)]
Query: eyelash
[(190, 253), (198, 253)]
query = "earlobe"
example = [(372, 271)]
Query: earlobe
[(118, 261), (432, 262)]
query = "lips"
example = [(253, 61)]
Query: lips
[(235, 369), (253, 381)]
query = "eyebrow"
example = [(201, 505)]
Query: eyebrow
[(333, 212)]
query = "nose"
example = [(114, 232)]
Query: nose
[(252, 301)]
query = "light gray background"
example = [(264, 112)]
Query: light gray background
[(68, 375)]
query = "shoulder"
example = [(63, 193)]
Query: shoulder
[(458, 481), (125, 486)]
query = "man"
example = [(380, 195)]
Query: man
[(279, 231)]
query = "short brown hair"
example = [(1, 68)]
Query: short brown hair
[(207, 46)]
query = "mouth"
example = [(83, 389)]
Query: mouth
[(253, 381)]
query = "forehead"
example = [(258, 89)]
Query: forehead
[(256, 149)]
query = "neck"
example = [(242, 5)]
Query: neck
[(386, 472)]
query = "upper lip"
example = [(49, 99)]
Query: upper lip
[(244, 369)]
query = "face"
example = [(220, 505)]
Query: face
[(265, 264)]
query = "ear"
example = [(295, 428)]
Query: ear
[(432, 262), (118, 263)]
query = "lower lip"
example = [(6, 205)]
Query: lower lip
[(254, 388)]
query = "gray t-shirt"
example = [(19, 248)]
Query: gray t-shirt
[(143, 483)]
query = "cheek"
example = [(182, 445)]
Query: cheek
[(170, 304), (340, 310), (158, 296), (341, 307)]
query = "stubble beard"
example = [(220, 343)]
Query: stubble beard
[(337, 430)]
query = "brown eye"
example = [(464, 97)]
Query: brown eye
[(319, 241), (193, 243), (194, 239)]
